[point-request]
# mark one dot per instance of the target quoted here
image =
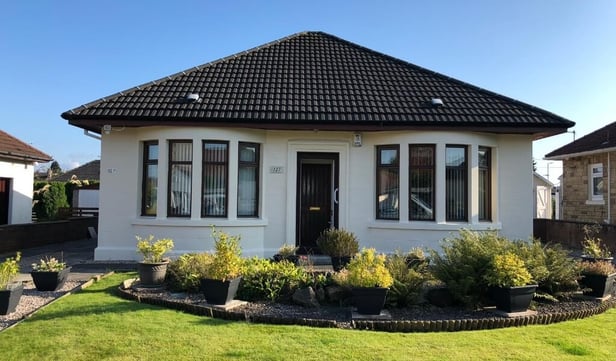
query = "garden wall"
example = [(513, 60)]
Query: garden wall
[(571, 233), (16, 237)]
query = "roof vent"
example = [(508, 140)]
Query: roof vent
[(191, 98), (436, 102)]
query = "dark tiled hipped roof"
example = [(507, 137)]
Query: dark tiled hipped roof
[(315, 80), (89, 171), (14, 149), (601, 139)]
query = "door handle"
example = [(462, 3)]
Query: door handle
[(336, 196)]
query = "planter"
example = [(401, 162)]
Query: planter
[(596, 259), (219, 292), (9, 298), (512, 299), (293, 259), (339, 263), (50, 280), (152, 274), (598, 285), (369, 300)]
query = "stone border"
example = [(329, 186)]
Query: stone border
[(376, 325)]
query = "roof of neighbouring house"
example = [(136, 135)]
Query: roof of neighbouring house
[(14, 149), (89, 171), (313, 80), (600, 140)]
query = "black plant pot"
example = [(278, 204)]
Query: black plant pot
[(339, 263), (293, 258), (369, 300), (598, 285), (50, 280), (219, 292), (152, 274), (9, 298), (512, 299)]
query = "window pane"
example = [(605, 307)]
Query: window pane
[(484, 190), (421, 202), (388, 156), (149, 185), (180, 179), (215, 179), (456, 184), (388, 202), (248, 180)]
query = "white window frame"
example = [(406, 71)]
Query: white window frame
[(591, 181)]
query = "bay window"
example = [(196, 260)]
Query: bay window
[(180, 178), (149, 182), (485, 188), (456, 183), (248, 180), (421, 182), (387, 182), (215, 178)]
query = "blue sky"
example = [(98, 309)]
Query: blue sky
[(559, 55)]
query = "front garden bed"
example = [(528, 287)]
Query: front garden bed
[(418, 318)]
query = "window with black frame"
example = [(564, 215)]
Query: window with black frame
[(180, 178), (149, 184), (456, 183), (248, 180), (388, 182), (215, 178), (421, 182)]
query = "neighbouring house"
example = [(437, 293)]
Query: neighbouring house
[(88, 176), (542, 196), (17, 160), (311, 131), (588, 184)]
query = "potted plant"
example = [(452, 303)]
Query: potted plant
[(153, 268), (509, 283), (10, 293), (286, 252), (598, 278), (49, 274), (223, 274), (338, 244), (593, 248), (369, 280)]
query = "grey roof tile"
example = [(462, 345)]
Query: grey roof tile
[(313, 78), (601, 139)]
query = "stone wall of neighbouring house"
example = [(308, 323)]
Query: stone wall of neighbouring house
[(575, 189), (16, 237)]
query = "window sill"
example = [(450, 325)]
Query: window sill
[(433, 226), (204, 222), (595, 202)]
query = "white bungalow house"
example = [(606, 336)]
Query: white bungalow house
[(311, 131), (17, 161)]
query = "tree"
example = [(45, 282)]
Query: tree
[(55, 168)]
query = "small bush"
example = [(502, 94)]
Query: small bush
[(48, 198), (599, 268), (507, 270), (184, 274), (227, 262), (366, 269), (464, 262), (271, 281), (338, 243), (409, 279), (559, 272)]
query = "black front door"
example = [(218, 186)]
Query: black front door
[(317, 197), (5, 189)]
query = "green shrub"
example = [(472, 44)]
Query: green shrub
[(507, 270), (8, 270), (184, 274), (464, 262), (271, 281), (409, 279), (48, 198), (338, 243), (153, 251), (366, 269), (227, 260)]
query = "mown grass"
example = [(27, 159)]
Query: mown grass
[(96, 325)]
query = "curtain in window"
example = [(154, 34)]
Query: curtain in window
[(215, 182), (456, 183), (180, 184), (421, 165), (388, 182), (484, 184), (247, 185)]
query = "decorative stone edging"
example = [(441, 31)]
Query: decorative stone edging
[(377, 325)]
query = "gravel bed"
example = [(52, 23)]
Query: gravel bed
[(31, 300), (342, 315)]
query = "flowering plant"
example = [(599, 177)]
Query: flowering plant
[(48, 265), (9, 269), (153, 251)]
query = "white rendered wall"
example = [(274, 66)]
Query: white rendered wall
[(120, 218), (20, 198)]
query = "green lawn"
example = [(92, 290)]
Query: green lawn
[(96, 325)]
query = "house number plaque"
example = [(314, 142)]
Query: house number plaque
[(277, 169)]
